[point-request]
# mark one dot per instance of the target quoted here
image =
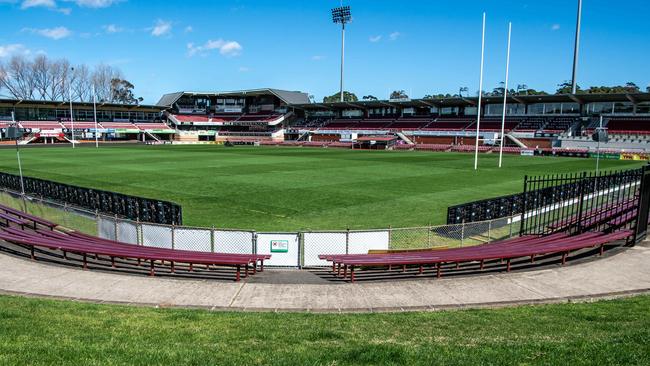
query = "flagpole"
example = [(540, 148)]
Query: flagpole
[(505, 96), (95, 114), (480, 94)]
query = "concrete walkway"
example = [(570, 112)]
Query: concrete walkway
[(618, 275)]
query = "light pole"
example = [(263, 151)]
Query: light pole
[(480, 95), (576, 49), (342, 15)]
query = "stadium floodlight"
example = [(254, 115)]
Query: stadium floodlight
[(576, 49), (480, 95), (342, 15), (505, 98)]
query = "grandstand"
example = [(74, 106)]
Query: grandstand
[(559, 123)]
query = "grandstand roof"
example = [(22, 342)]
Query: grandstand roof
[(288, 97), (51, 103), (463, 101)]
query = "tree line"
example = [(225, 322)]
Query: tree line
[(42, 78), (522, 89)]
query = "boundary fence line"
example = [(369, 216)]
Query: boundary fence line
[(288, 249)]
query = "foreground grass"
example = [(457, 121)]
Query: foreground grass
[(294, 188), (40, 332)]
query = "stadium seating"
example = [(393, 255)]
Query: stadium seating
[(639, 126), (450, 124), (41, 125), (80, 125), (152, 126), (509, 249), (85, 245)]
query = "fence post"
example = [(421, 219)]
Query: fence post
[(115, 227), (582, 200), (173, 237), (212, 239), (524, 196), (390, 236), (511, 222), (347, 240), (254, 242), (137, 231), (462, 233), (489, 231), (301, 244), (429, 235)]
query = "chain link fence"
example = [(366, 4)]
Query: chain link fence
[(297, 249)]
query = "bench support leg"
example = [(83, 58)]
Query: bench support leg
[(191, 267), (438, 273), (65, 255), (421, 269), (31, 253), (139, 262), (338, 270), (152, 271), (564, 255), (404, 268), (173, 267), (345, 271), (113, 262), (246, 271), (532, 258), (352, 274), (238, 276), (85, 262), (482, 263), (508, 265), (602, 249)]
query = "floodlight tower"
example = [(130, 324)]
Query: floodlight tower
[(576, 50), (342, 15)]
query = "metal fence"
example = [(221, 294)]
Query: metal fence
[(559, 189), (106, 202), (288, 249)]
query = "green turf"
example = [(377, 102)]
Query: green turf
[(294, 188), (45, 332)]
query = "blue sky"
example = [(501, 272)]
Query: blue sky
[(422, 47)]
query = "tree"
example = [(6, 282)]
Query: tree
[(122, 92), (647, 89), (398, 94), (369, 97), (46, 79), (567, 88), (632, 87), (347, 97)]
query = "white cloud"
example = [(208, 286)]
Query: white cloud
[(317, 57), (161, 28), (53, 33), (112, 28), (51, 4), (393, 36), (189, 29), (94, 3), (375, 39), (244, 69), (555, 27), (226, 48), (13, 49)]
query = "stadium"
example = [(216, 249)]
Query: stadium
[(259, 226)]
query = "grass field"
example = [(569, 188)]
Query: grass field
[(45, 332), (294, 188)]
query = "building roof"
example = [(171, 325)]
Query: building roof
[(473, 101), (53, 103), (288, 97)]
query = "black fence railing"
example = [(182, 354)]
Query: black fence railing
[(581, 202), (562, 189), (104, 202)]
